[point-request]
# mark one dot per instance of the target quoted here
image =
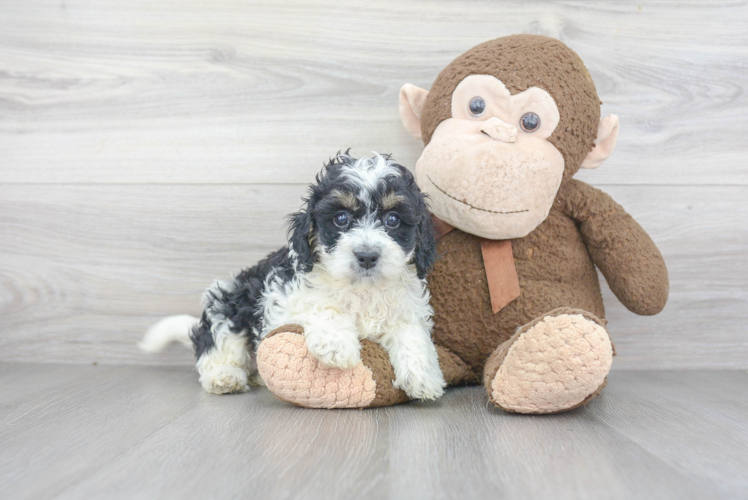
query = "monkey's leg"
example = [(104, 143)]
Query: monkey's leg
[(454, 369), (555, 363), (295, 376)]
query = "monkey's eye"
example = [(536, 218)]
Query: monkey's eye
[(477, 106), (341, 219), (529, 122), (392, 220)]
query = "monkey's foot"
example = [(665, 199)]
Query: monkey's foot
[(555, 363), (295, 376)]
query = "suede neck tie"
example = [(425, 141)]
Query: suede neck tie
[(498, 261)]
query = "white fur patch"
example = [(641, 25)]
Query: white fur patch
[(169, 329), (337, 307), (367, 173), (225, 368)]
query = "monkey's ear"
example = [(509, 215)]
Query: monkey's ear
[(607, 135), (412, 99)]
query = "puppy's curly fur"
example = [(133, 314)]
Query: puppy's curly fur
[(354, 268)]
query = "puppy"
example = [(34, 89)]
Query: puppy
[(354, 268)]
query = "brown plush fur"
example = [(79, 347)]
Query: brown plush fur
[(555, 269), (585, 227), (455, 370), (377, 360)]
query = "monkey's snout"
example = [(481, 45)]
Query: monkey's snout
[(499, 130)]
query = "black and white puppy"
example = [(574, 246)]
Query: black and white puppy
[(354, 268)]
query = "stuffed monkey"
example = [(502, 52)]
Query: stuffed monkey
[(515, 292)]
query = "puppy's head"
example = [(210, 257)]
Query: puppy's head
[(365, 219)]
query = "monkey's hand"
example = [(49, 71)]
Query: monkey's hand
[(624, 252)]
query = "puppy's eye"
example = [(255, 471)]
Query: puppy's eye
[(529, 122), (392, 220), (477, 106), (341, 219)]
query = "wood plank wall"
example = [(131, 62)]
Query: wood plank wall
[(148, 147)]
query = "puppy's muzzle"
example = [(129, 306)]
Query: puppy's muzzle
[(367, 260)]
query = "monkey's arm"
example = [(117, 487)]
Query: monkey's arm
[(624, 252)]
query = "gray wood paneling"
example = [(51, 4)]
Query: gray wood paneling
[(147, 148), (150, 432), (233, 91)]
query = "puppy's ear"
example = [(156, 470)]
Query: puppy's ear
[(300, 231), (425, 251)]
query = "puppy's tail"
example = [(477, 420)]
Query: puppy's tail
[(168, 330)]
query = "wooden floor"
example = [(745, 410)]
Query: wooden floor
[(147, 432)]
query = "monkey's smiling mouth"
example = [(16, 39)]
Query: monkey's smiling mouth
[(471, 206)]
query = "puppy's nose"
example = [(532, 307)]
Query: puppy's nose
[(367, 260)]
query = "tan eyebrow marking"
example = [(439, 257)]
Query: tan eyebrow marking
[(348, 200), (390, 200)]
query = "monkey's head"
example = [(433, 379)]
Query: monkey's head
[(505, 124)]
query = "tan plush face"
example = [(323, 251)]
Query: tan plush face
[(487, 170)]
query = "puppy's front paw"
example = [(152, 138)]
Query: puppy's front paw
[(424, 385), (225, 379), (339, 351)]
